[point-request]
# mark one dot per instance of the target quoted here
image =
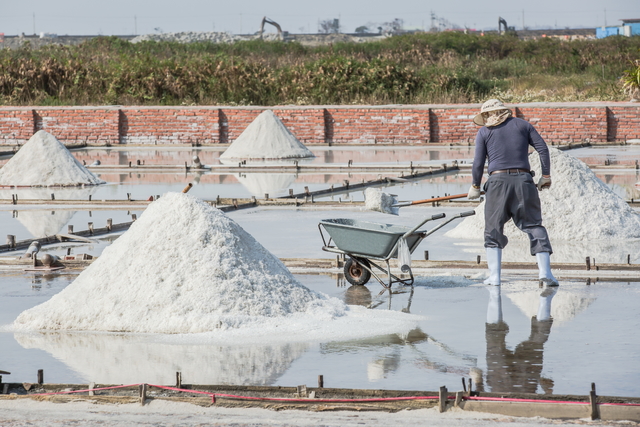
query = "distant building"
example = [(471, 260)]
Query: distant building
[(629, 27)]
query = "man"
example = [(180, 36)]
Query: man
[(510, 191)]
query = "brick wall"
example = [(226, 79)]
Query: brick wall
[(557, 123), (16, 126), (87, 125), (162, 125), (383, 126)]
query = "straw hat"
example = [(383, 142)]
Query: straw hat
[(490, 105)]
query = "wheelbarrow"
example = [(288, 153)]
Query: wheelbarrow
[(367, 245)]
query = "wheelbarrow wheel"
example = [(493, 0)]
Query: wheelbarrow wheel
[(355, 273)]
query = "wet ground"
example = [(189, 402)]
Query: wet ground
[(592, 335), (505, 340)]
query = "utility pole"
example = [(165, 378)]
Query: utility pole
[(523, 19), (34, 23), (135, 25), (605, 17)]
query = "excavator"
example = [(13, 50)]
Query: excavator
[(266, 20), (502, 27)]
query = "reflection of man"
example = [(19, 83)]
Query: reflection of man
[(517, 370)]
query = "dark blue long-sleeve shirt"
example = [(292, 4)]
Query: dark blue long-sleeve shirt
[(507, 147)]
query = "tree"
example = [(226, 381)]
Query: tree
[(393, 27), (329, 26), (362, 29)]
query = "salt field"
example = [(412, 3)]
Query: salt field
[(448, 326), (451, 340)]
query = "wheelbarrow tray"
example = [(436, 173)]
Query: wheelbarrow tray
[(369, 239)]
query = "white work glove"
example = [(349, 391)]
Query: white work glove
[(474, 193), (544, 182)]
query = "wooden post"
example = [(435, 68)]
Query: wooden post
[(469, 387), (426, 258), (464, 386), (306, 190), (588, 261), (143, 394), (53, 196), (69, 229), (595, 414), (291, 192), (40, 376), (134, 217), (320, 381), (458, 398), (129, 196), (266, 196), (302, 391), (68, 251), (11, 241), (89, 197), (5, 388), (138, 162), (91, 387), (442, 399), (178, 379), (109, 224), (478, 259), (629, 256), (91, 228)]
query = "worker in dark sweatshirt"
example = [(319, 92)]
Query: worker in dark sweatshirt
[(510, 191)]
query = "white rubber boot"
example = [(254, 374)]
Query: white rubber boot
[(544, 267), (494, 309), (544, 309), (494, 262)]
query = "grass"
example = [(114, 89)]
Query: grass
[(412, 69)]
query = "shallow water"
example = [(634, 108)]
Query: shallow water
[(593, 337)]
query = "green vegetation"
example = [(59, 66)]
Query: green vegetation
[(413, 69)]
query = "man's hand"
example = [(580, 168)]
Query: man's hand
[(544, 182), (474, 193)]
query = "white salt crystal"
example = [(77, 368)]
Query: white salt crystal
[(266, 138), (182, 267), (44, 161), (577, 207)]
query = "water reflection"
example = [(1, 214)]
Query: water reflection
[(44, 223), (520, 369), (126, 359)]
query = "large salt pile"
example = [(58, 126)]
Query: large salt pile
[(577, 207), (183, 267), (266, 138), (44, 161)]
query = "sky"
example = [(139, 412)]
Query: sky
[(126, 17)]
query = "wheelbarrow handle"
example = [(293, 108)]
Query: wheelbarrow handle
[(414, 229)]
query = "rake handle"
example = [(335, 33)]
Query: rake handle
[(439, 199)]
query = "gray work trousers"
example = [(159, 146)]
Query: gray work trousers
[(513, 195)]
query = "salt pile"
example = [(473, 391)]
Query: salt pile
[(578, 206), (266, 138), (43, 162), (377, 200), (188, 37), (183, 267)]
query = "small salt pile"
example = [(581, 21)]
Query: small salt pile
[(377, 200), (577, 207), (44, 162), (266, 138), (182, 267)]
